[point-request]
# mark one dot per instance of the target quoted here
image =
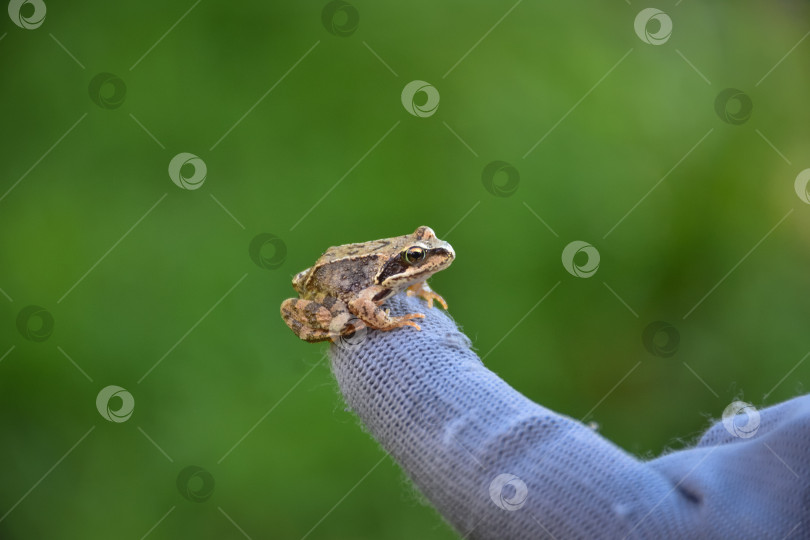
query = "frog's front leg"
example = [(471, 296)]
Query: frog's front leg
[(423, 289), (310, 320), (374, 316)]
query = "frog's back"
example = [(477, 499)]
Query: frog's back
[(342, 278), (307, 288), (343, 271), (348, 251)]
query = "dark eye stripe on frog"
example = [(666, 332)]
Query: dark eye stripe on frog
[(393, 267), (382, 295), (397, 266)]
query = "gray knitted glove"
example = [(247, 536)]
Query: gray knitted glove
[(497, 465)]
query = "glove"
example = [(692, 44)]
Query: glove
[(497, 465)]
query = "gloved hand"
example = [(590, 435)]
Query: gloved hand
[(497, 465)]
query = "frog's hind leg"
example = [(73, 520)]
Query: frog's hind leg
[(307, 333), (376, 317), (308, 319), (311, 313), (318, 321)]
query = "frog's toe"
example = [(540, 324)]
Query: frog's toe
[(405, 320), (430, 296), (423, 291), (400, 324)]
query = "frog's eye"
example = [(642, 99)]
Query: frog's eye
[(413, 255)]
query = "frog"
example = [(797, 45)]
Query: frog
[(345, 289)]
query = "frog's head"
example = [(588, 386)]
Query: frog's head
[(417, 257)]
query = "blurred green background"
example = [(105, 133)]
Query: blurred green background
[(305, 137)]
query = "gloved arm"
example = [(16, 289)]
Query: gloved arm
[(497, 465)]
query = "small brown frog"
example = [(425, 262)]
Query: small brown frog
[(351, 281)]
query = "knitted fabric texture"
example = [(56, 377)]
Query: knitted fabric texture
[(498, 466)]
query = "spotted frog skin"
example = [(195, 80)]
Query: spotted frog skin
[(343, 290)]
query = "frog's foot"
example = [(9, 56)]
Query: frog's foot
[(397, 322), (423, 290), (378, 318), (404, 320)]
